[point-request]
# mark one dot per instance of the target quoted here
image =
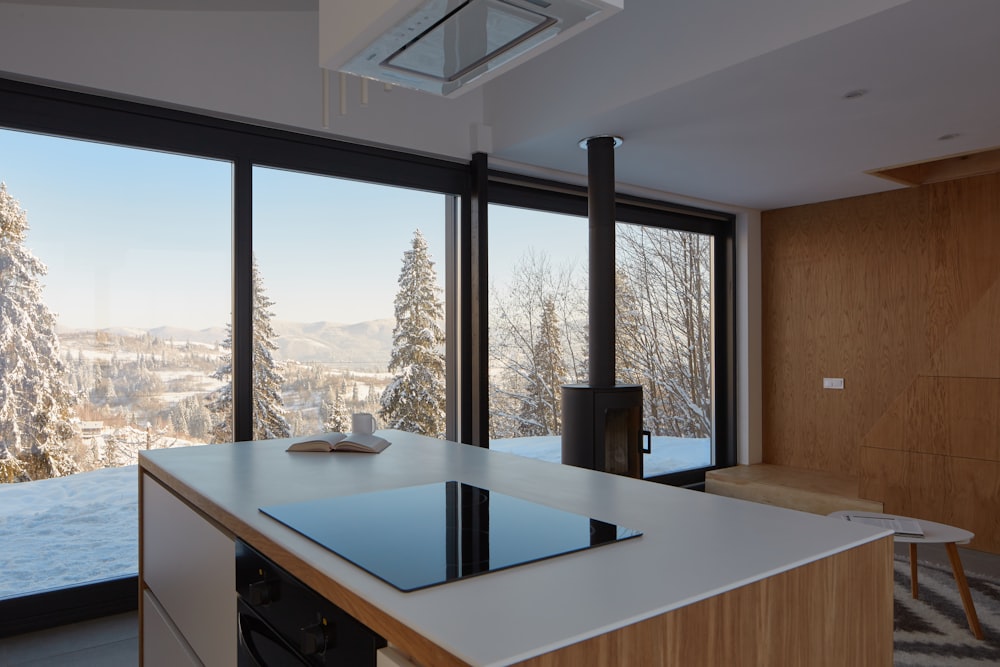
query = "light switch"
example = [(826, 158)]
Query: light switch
[(833, 383)]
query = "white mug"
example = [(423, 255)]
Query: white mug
[(363, 422)]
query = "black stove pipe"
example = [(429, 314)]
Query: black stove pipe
[(601, 215)]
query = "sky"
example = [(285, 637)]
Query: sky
[(138, 238)]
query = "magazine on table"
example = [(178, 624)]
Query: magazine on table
[(899, 525)]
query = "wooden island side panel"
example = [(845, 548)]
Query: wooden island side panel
[(833, 612)]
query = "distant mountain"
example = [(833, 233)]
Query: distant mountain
[(364, 344), (209, 336), (368, 343)]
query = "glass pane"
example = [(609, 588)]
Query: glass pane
[(115, 299), (349, 306), (468, 38), (538, 326), (664, 340)]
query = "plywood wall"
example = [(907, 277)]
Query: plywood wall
[(899, 294)]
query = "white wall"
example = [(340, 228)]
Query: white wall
[(257, 66)]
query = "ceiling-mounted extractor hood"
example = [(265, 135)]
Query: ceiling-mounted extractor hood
[(446, 46)]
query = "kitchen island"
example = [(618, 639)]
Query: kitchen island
[(712, 580)]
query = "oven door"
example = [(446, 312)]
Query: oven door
[(260, 645)]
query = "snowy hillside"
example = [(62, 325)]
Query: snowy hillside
[(364, 345), (358, 346)]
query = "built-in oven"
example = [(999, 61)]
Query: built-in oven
[(282, 622)]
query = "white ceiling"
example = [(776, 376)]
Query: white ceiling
[(758, 126), (739, 102)]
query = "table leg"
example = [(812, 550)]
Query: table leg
[(914, 588), (963, 589)]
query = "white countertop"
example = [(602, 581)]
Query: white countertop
[(694, 545)]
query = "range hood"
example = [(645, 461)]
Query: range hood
[(446, 47)]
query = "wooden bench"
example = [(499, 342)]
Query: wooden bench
[(806, 490)]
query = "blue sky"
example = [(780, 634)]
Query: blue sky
[(143, 239)]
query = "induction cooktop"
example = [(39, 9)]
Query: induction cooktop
[(419, 536)]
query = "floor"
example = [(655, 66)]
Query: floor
[(973, 562), (113, 641)]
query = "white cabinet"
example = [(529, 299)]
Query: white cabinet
[(189, 569), (162, 644)]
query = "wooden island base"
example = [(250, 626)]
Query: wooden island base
[(831, 612)]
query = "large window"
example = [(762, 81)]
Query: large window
[(350, 290), (537, 324), (140, 246), (115, 298), (672, 315), (664, 338)]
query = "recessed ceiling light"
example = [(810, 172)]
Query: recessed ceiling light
[(949, 136), (856, 93)]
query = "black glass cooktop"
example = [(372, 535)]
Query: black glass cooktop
[(419, 536)]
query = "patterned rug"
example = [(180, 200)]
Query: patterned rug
[(933, 631)]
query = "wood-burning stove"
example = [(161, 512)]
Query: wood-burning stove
[(602, 428), (602, 420)]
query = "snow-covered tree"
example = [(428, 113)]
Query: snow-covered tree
[(334, 413), (268, 408), (664, 326), (541, 411), (540, 313), (415, 399), (36, 405), (190, 417)]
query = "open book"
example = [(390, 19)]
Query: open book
[(340, 442), (900, 525)]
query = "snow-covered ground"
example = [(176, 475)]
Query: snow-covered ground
[(83, 528), (68, 530), (668, 454)]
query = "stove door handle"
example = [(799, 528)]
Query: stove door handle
[(648, 435)]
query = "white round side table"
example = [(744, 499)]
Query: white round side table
[(934, 533)]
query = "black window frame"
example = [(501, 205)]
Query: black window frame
[(508, 189), (32, 107)]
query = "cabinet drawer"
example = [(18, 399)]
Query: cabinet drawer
[(162, 643), (190, 568)]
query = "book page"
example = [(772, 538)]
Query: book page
[(323, 442), (360, 442)]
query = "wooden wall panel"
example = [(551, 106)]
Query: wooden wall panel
[(963, 252), (951, 416), (838, 301), (963, 354), (899, 294), (948, 489)]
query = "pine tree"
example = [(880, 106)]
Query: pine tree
[(334, 413), (268, 409), (415, 399), (36, 405), (541, 413)]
